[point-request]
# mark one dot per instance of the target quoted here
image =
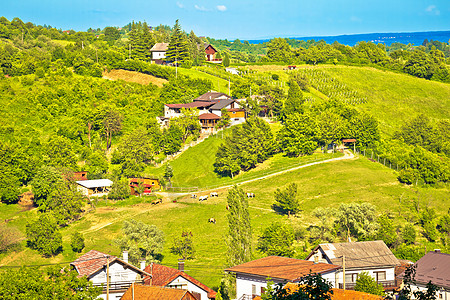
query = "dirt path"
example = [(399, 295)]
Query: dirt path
[(347, 155)]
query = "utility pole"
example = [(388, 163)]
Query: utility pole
[(343, 271), (82, 45), (229, 86), (107, 278)]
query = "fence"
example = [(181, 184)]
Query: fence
[(381, 158)]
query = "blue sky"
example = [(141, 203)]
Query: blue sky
[(243, 19)]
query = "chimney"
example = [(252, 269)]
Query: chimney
[(125, 256), (143, 264), (181, 265), (437, 250)]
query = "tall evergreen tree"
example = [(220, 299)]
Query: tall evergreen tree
[(239, 239), (178, 49), (294, 99)]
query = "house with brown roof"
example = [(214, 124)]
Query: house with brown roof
[(158, 51), (177, 278), (209, 107), (98, 266), (251, 277), (373, 257), (146, 292), (435, 267)]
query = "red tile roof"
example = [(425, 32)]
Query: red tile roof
[(145, 292), (163, 275), (337, 294), (195, 104), (282, 267), (208, 116), (93, 261)]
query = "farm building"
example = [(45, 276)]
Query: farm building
[(94, 188), (149, 185)]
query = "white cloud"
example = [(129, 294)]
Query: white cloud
[(355, 19), (221, 7), (180, 5), (432, 10), (200, 8)]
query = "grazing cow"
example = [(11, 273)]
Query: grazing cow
[(228, 207), (157, 201), (250, 195), (214, 194), (202, 198), (212, 220), (193, 196)]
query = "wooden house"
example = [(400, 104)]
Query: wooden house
[(150, 185), (211, 54)]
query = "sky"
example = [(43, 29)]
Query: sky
[(243, 19)]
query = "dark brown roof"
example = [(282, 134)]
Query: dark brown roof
[(359, 254), (195, 104), (434, 266), (208, 116), (221, 104), (159, 47), (145, 292), (163, 275), (235, 109), (93, 261), (282, 267), (210, 96)]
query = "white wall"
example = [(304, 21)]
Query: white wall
[(441, 293), (244, 284), (159, 55), (182, 283)]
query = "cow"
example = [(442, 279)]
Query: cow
[(250, 195), (214, 194), (193, 196), (202, 198), (157, 201), (212, 220)]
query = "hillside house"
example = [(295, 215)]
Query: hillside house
[(210, 107), (373, 257), (150, 185), (251, 277), (94, 188), (435, 267), (178, 279), (211, 54), (158, 52), (96, 266), (146, 292)]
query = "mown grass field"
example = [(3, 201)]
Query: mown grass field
[(326, 185), (219, 84), (132, 76)]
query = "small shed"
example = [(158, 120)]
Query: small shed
[(349, 141), (150, 185), (94, 188)]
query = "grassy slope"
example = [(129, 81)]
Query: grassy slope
[(324, 185), (132, 76), (395, 98), (219, 84)]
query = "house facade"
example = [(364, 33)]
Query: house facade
[(251, 277), (211, 54), (158, 51), (373, 257), (177, 279), (98, 266), (435, 267)]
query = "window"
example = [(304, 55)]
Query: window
[(253, 289), (380, 276), (351, 277)]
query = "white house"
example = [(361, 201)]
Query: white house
[(94, 188), (173, 278), (96, 266), (373, 257), (251, 277), (159, 51), (435, 267)]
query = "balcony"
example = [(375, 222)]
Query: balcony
[(386, 284), (118, 285)]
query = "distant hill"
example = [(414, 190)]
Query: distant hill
[(414, 38)]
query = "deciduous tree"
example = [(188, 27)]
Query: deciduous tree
[(277, 239), (286, 200), (367, 284), (43, 235), (184, 246)]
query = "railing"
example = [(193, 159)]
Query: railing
[(385, 284), (247, 297), (118, 285)]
